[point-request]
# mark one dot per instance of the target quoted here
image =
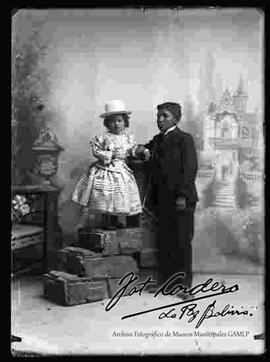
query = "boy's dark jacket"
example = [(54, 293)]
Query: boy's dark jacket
[(172, 168)]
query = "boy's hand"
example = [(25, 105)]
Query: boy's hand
[(142, 153), (180, 203)]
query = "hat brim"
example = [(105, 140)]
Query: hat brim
[(103, 115)]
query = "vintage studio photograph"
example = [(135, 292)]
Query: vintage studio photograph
[(137, 203)]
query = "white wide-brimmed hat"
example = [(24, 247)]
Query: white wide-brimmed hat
[(114, 107)]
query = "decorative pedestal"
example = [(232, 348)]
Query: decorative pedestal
[(46, 150)]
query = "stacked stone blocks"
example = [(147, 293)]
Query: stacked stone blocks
[(92, 271)]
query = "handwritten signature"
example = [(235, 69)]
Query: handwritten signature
[(129, 287), (209, 312)]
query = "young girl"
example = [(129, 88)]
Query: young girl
[(109, 187)]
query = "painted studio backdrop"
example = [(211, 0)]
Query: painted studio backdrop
[(68, 63)]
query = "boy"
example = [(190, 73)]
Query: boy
[(172, 196)]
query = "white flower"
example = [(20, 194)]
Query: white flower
[(25, 209)]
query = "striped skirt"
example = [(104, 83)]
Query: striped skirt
[(108, 189)]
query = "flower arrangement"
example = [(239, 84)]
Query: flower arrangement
[(19, 208)]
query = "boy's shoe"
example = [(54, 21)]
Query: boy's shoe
[(185, 297)]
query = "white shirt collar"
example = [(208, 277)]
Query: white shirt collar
[(170, 129)]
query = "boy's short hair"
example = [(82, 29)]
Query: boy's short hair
[(108, 119), (174, 108)]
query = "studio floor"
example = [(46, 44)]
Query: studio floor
[(49, 329)]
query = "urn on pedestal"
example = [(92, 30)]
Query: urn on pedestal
[(46, 150)]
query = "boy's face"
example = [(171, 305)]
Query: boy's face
[(165, 120), (117, 124)]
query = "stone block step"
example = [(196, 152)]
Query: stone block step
[(67, 289), (86, 263), (111, 242)]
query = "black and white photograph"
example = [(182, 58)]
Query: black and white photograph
[(137, 183)]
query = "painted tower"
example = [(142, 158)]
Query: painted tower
[(240, 100), (231, 133)]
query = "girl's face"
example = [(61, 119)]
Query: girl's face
[(117, 124)]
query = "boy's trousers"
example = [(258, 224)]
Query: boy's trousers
[(174, 243)]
